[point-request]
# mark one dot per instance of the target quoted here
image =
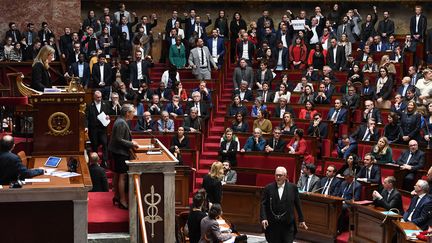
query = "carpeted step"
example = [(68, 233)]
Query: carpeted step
[(217, 129), (343, 238), (212, 146), (209, 155), (103, 217)]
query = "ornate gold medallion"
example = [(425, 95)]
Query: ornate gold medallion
[(59, 124)]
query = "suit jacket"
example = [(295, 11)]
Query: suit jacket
[(422, 211), (360, 132), (73, 70), (12, 168), (272, 205), (133, 69), (386, 91), (210, 230), (287, 109), (251, 145), (148, 26), (392, 201), (320, 131), (348, 31), (248, 77), (422, 25), (230, 153), (375, 174), (247, 96), (170, 108), (279, 147), (189, 123), (417, 160), (386, 27), (346, 190), (91, 120), (368, 93), (190, 28), (268, 77), (285, 56), (288, 36), (48, 35), (340, 58), (40, 78), (374, 47), (342, 116), (97, 75), (33, 36), (121, 138), (194, 59), (376, 114), (351, 102), (220, 46), (333, 187), (99, 178), (129, 25), (204, 109), (251, 50), (269, 97), (230, 177), (312, 181), (169, 125)]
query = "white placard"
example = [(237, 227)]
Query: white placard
[(298, 24), (102, 118)]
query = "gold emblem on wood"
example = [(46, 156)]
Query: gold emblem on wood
[(59, 124)]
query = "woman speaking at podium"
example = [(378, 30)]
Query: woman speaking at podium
[(120, 146), (40, 75)]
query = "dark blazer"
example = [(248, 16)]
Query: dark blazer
[(188, 123), (220, 46), (277, 111), (97, 75), (360, 132), (340, 58), (351, 102), (375, 174), (369, 93), (279, 147), (268, 77), (346, 190), (422, 25), (417, 160), (271, 205), (10, 33), (40, 77), (376, 114), (386, 27), (73, 70), (334, 185), (269, 98), (190, 28), (251, 50), (342, 116), (129, 25), (288, 36), (421, 213), (99, 178), (248, 77), (145, 65), (213, 188), (392, 201), (121, 138), (12, 168), (184, 144), (170, 108), (411, 125), (248, 95), (91, 120), (204, 109), (149, 26), (386, 91), (285, 56), (48, 35), (320, 131), (229, 154)]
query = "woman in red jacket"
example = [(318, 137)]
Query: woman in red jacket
[(309, 111), (298, 145), (298, 54)]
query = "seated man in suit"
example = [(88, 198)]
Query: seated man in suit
[(163, 93), (282, 108), (351, 100), (330, 184), (317, 128), (346, 146), (230, 175), (337, 114), (202, 107), (115, 104), (266, 95), (174, 108), (204, 91), (165, 124), (97, 174), (366, 132), (255, 142), (368, 90), (275, 144), (193, 122), (348, 190), (308, 182), (155, 106), (228, 148), (146, 123), (370, 172), (411, 160), (321, 96), (371, 112), (419, 211), (11, 166), (390, 197), (245, 94)]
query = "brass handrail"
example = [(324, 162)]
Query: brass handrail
[(140, 208)]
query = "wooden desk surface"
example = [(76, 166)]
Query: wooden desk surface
[(401, 226), (142, 156), (84, 180)]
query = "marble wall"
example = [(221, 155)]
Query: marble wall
[(57, 13)]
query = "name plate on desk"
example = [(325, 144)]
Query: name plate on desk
[(45, 180), (153, 152)]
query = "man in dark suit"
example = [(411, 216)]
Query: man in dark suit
[(282, 108), (228, 148), (405, 86), (335, 56), (371, 112), (370, 172), (155, 107), (163, 93), (29, 34), (45, 33), (139, 70), (348, 190), (97, 174), (202, 107), (390, 197), (317, 128), (367, 91), (419, 211), (346, 146), (266, 95), (386, 26), (243, 73), (418, 24), (66, 43), (411, 160), (275, 144), (217, 48), (125, 26), (277, 209), (281, 54), (102, 75), (245, 94), (146, 123), (351, 100), (366, 132), (170, 23), (200, 27), (308, 182), (414, 75), (11, 166), (146, 25), (73, 56), (245, 49), (189, 23), (81, 69), (329, 185), (337, 114), (96, 130), (192, 123), (322, 96), (378, 45), (284, 35)]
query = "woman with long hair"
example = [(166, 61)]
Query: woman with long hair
[(307, 95), (393, 131), (344, 42), (221, 23), (411, 123), (355, 74), (236, 24), (237, 107), (317, 57), (382, 151), (239, 124), (269, 59), (41, 78), (180, 91), (298, 54), (384, 85), (308, 112), (212, 182), (180, 139), (298, 145), (287, 125), (351, 164), (282, 92), (263, 123), (385, 62)]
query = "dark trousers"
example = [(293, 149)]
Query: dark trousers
[(280, 232), (98, 137), (409, 181)]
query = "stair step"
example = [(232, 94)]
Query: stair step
[(217, 129), (212, 145)]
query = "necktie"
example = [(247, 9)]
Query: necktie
[(165, 125), (265, 97), (409, 158), (414, 209), (202, 56), (306, 186), (366, 90), (326, 187), (335, 115), (346, 190), (379, 47), (366, 136), (388, 195), (275, 142), (368, 170)]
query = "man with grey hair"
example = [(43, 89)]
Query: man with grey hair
[(97, 174), (419, 211), (243, 73), (390, 197), (165, 124), (245, 94), (192, 123), (411, 161), (255, 142), (277, 209), (202, 107)]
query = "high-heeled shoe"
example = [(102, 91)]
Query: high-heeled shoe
[(121, 206), (115, 201)]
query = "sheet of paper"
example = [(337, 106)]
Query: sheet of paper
[(298, 24), (64, 174), (388, 213), (154, 152), (221, 221), (230, 240), (224, 229), (102, 118), (411, 232), (149, 146), (1, 187), (38, 180)]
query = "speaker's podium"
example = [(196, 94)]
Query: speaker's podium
[(153, 170)]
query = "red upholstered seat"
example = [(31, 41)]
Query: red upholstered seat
[(13, 101)]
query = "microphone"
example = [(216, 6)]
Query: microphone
[(318, 189), (154, 144), (395, 210)]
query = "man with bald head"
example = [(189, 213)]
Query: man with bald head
[(97, 174), (11, 166), (411, 160), (277, 209), (419, 211)]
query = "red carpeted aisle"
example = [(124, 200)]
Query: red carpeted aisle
[(103, 217)]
